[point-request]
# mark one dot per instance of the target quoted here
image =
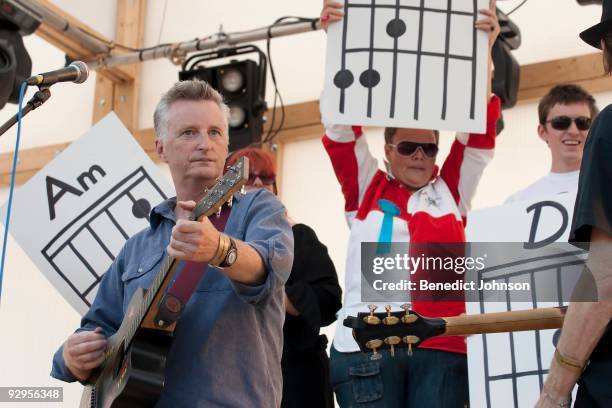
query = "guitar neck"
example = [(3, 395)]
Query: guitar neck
[(520, 320)]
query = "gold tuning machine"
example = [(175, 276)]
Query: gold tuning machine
[(371, 319), (373, 345), (219, 212), (410, 340), (392, 341), (408, 318), (390, 320), (243, 190), (230, 201)]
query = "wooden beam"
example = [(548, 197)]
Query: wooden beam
[(122, 97), (584, 70), (74, 49), (30, 162), (296, 115), (104, 98), (130, 32)]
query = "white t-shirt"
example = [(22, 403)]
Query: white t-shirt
[(551, 184)]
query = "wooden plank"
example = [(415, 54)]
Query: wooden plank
[(130, 32), (146, 139), (31, 159), (20, 178), (584, 70), (296, 115), (592, 85), (550, 73), (30, 162), (301, 133), (103, 98)]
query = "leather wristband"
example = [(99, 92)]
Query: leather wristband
[(569, 363)]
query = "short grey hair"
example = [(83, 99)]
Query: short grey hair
[(191, 90)]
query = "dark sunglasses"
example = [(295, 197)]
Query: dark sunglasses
[(265, 180), (564, 122), (406, 148)]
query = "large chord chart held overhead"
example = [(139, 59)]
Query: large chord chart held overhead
[(407, 63)]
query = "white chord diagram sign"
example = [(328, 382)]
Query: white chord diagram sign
[(509, 369), (407, 63), (92, 197), (93, 238)]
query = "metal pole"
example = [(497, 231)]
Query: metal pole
[(62, 25), (177, 51)]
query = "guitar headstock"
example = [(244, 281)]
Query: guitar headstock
[(375, 331), (233, 179)]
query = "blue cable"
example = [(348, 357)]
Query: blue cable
[(22, 90)]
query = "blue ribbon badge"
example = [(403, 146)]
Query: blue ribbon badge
[(386, 230)]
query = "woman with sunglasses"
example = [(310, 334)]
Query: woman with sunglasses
[(410, 202), (584, 350), (312, 299)]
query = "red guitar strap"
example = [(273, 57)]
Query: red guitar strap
[(188, 275)]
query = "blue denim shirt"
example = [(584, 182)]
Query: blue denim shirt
[(228, 342)]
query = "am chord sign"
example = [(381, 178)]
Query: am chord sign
[(73, 217)]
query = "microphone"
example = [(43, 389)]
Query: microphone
[(75, 72)]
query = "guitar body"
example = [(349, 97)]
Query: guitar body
[(132, 377)]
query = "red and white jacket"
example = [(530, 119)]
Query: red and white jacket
[(435, 213)]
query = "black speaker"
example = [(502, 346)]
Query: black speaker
[(15, 65), (242, 84)]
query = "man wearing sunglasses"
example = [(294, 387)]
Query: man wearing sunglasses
[(565, 114), (410, 202)]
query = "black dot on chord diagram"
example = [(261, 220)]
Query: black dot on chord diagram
[(141, 208), (369, 78), (396, 28), (343, 79)]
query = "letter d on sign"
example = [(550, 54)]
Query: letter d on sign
[(532, 244)]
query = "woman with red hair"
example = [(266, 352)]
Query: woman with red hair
[(312, 299)]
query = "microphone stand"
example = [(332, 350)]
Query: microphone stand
[(37, 99)]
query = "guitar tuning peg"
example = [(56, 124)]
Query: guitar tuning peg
[(373, 345), (230, 202), (408, 318), (218, 214), (389, 320), (392, 341), (242, 190), (410, 340), (217, 179), (371, 319)]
